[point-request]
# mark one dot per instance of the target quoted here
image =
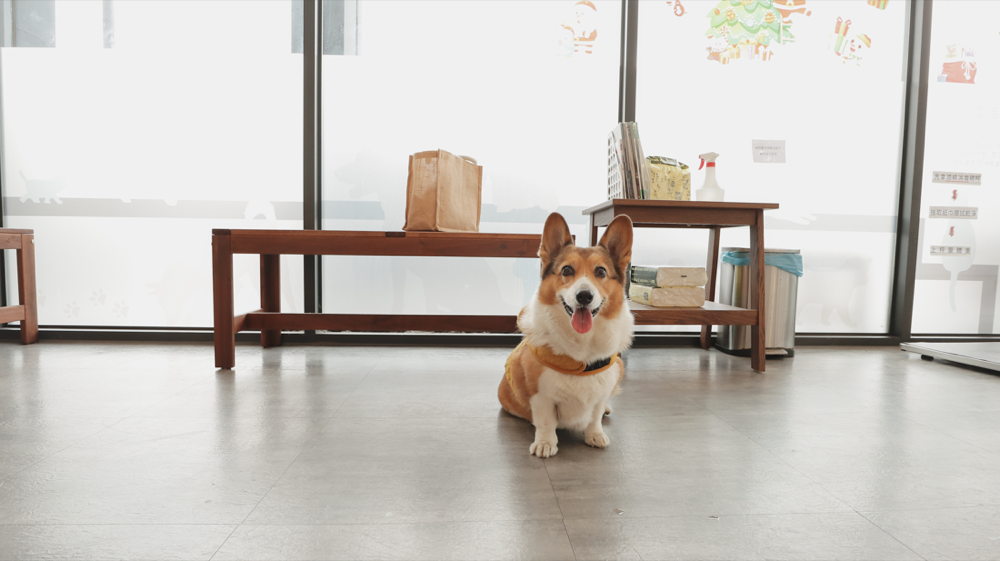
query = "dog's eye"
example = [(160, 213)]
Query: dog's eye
[(567, 271), (600, 272)]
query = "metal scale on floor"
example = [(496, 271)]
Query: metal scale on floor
[(982, 355)]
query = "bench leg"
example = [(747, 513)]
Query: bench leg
[(757, 339), (26, 289), (712, 269), (270, 296), (222, 288)]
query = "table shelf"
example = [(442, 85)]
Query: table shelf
[(712, 216), (711, 313)]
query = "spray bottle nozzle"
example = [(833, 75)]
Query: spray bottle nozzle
[(707, 158)]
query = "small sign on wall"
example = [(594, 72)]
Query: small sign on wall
[(951, 250), (769, 151), (962, 212), (955, 178)]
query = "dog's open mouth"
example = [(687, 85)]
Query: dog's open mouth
[(582, 319)]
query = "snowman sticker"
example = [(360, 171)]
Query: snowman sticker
[(578, 32), (857, 49)]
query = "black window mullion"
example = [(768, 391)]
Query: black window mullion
[(912, 168)]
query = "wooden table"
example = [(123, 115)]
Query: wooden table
[(270, 244), (713, 217), (27, 311)]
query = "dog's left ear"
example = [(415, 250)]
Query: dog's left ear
[(618, 241), (555, 237)]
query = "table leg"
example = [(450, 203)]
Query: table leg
[(26, 292), (270, 296), (757, 338), (712, 268), (593, 232), (222, 288)]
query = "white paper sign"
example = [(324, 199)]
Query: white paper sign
[(963, 212), (951, 250), (769, 151), (952, 177)]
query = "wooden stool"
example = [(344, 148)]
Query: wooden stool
[(27, 312)]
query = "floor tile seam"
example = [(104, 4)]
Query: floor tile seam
[(305, 444), (890, 510), (561, 515), (171, 396), (850, 511), (348, 524), (892, 537), (152, 524), (793, 468), (269, 489), (60, 450), (908, 418), (422, 417), (218, 549), (353, 391)]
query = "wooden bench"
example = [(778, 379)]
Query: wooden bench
[(27, 311), (270, 244)]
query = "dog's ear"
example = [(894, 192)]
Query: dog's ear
[(555, 237), (618, 241)]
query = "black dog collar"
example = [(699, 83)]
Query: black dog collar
[(599, 364)]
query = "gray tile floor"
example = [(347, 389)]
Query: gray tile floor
[(136, 451)]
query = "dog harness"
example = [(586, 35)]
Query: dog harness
[(560, 363), (568, 365)]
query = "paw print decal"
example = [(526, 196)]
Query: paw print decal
[(121, 309), (72, 310), (98, 297)]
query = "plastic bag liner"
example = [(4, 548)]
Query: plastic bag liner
[(791, 262)]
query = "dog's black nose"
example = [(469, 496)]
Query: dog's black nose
[(584, 297)]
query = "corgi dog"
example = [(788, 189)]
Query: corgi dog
[(576, 326)]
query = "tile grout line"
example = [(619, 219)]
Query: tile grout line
[(291, 463), (63, 449), (782, 460), (894, 538), (814, 482), (775, 456), (572, 548), (95, 433)]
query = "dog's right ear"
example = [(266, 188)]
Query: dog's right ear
[(555, 237)]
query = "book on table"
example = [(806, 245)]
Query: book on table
[(667, 287)]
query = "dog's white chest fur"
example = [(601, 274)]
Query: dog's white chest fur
[(577, 397)]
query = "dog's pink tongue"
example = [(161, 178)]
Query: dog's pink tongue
[(583, 320)]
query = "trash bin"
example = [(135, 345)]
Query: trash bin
[(782, 269)]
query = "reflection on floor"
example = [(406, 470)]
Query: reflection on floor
[(139, 451)]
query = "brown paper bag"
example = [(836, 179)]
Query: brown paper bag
[(443, 193)]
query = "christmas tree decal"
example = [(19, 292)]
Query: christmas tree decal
[(746, 28)]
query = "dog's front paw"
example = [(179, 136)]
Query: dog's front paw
[(543, 449), (597, 439)]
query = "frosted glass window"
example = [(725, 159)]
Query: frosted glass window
[(959, 258), (529, 89), (827, 78), (123, 159)]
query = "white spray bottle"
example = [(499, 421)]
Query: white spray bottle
[(710, 190)]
